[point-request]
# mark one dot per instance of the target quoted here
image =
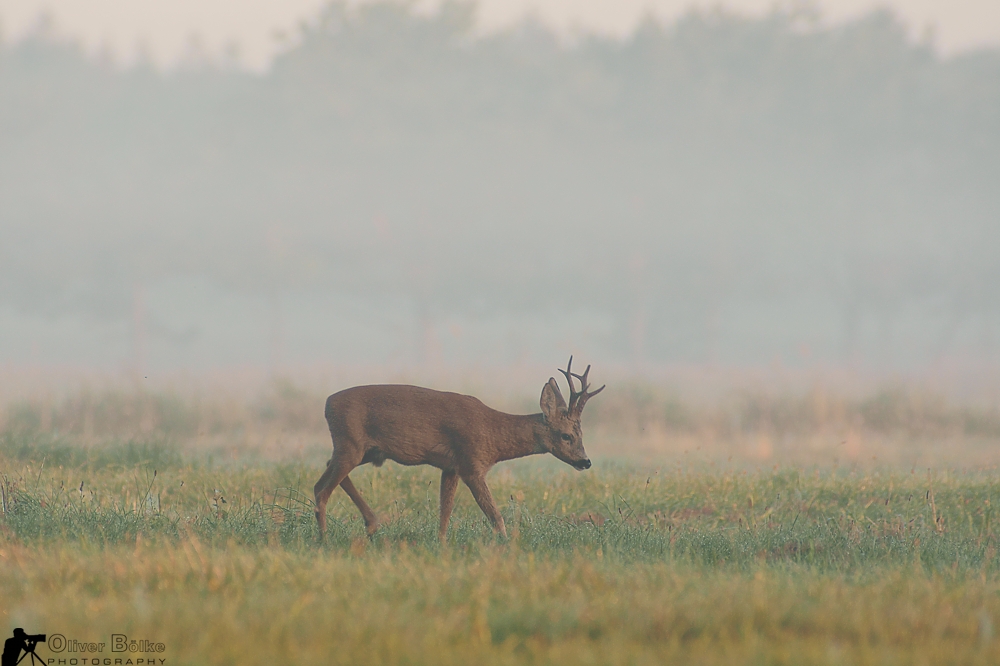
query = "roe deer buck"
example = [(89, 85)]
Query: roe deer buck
[(458, 434)]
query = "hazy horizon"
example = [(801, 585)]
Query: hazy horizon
[(714, 195), (251, 34)]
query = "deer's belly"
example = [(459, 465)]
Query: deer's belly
[(442, 459)]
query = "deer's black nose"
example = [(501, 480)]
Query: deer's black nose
[(582, 464)]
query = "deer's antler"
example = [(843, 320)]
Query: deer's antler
[(573, 395), (577, 399)]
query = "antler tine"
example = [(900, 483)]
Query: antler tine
[(573, 395), (583, 379), (584, 396)]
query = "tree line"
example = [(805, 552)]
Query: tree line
[(719, 186)]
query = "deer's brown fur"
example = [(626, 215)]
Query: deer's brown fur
[(456, 433)]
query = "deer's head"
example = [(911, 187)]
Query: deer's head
[(564, 438)]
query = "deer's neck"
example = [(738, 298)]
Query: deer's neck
[(525, 436)]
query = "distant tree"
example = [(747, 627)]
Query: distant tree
[(765, 167)]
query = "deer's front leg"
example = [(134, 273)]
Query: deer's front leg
[(477, 484), (449, 484)]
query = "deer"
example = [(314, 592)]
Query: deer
[(455, 433)]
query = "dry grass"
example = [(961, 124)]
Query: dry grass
[(155, 522), (623, 565), (239, 605)]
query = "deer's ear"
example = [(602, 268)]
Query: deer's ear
[(552, 402)]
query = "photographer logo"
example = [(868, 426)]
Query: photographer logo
[(120, 651), (20, 642)]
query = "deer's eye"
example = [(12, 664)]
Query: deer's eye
[(566, 437)]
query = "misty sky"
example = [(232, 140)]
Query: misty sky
[(250, 31), (721, 189)]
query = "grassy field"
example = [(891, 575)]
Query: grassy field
[(214, 553)]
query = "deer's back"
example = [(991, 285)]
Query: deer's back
[(408, 424)]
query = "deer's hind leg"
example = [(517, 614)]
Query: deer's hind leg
[(336, 472), (371, 520)]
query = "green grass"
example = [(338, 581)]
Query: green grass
[(619, 565)]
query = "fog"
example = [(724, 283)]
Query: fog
[(399, 190)]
